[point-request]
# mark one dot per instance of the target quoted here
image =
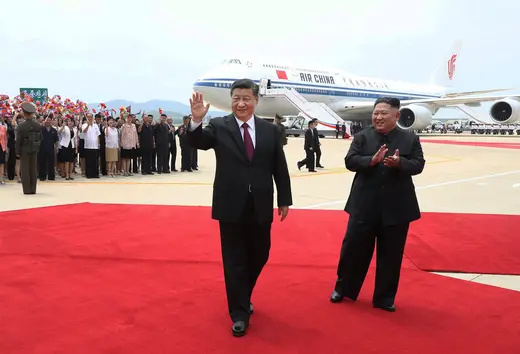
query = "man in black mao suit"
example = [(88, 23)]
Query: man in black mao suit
[(308, 145), (249, 155), (382, 203), (317, 144)]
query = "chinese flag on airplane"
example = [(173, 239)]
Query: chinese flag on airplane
[(282, 75)]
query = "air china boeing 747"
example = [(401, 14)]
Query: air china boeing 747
[(333, 95)]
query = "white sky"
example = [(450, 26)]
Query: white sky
[(100, 50)]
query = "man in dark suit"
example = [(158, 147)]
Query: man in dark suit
[(186, 154), (308, 145), (249, 155), (162, 145), (317, 144), (382, 203), (147, 144)]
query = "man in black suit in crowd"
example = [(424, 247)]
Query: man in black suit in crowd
[(317, 144), (382, 203), (249, 155), (162, 145), (308, 145), (146, 144), (186, 154), (102, 144)]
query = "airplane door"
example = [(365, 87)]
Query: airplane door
[(331, 95), (263, 86), (331, 91)]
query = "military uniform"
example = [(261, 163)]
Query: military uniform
[(28, 141)]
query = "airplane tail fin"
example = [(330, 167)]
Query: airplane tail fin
[(445, 73)]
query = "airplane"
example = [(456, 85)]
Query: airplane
[(348, 96)]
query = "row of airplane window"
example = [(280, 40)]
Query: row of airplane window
[(365, 83), (317, 91), (353, 82), (297, 69)]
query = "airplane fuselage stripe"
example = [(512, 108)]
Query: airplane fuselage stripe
[(325, 90)]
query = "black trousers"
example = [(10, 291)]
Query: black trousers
[(46, 165), (11, 164), (103, 158), (173, 158), (194, 158), (134, 163), (91, 163), (186, 156), (356, 253), (308, 160), (317, 150), (163, 159), (245, 251), (154, 160), (146, 160)]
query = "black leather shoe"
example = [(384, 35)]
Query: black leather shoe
[(389, 308), (336, 297), (239, 329), (251, 309)]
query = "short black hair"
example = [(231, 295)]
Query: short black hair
[(150, 116), (186, 117), (392, 101), (164, 115), (245, 84), (98, 116)]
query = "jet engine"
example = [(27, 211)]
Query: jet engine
[(414, 117), (505, 111)]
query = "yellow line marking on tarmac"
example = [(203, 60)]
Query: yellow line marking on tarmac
[(331, 171)]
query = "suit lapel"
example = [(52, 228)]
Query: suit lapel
[(232, 125)]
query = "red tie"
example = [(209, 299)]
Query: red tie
[(248, 142)]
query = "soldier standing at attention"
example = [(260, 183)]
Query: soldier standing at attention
[(28, 141)]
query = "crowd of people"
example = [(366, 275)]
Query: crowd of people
[(94, 144)]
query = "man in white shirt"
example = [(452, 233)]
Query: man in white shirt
[(91, 133)]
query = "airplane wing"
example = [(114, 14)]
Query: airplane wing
[(365, 107), (469, 93)]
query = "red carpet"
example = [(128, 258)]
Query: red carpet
[(503, 145), (439, 241), (469, 243), (73, 283)]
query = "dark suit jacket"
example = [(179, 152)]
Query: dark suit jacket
[(316, 137), (235, 175), (310, 141), (380, 193), (161, 135)]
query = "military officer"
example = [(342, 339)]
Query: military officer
[(28, 141)]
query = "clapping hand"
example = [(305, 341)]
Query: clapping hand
[(379, 155), (198, 109), (392, 161)]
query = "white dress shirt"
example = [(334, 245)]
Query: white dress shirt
[(91, 136), (250, 123)]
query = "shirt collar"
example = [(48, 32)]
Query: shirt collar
[(250, 122), (388, 136)]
